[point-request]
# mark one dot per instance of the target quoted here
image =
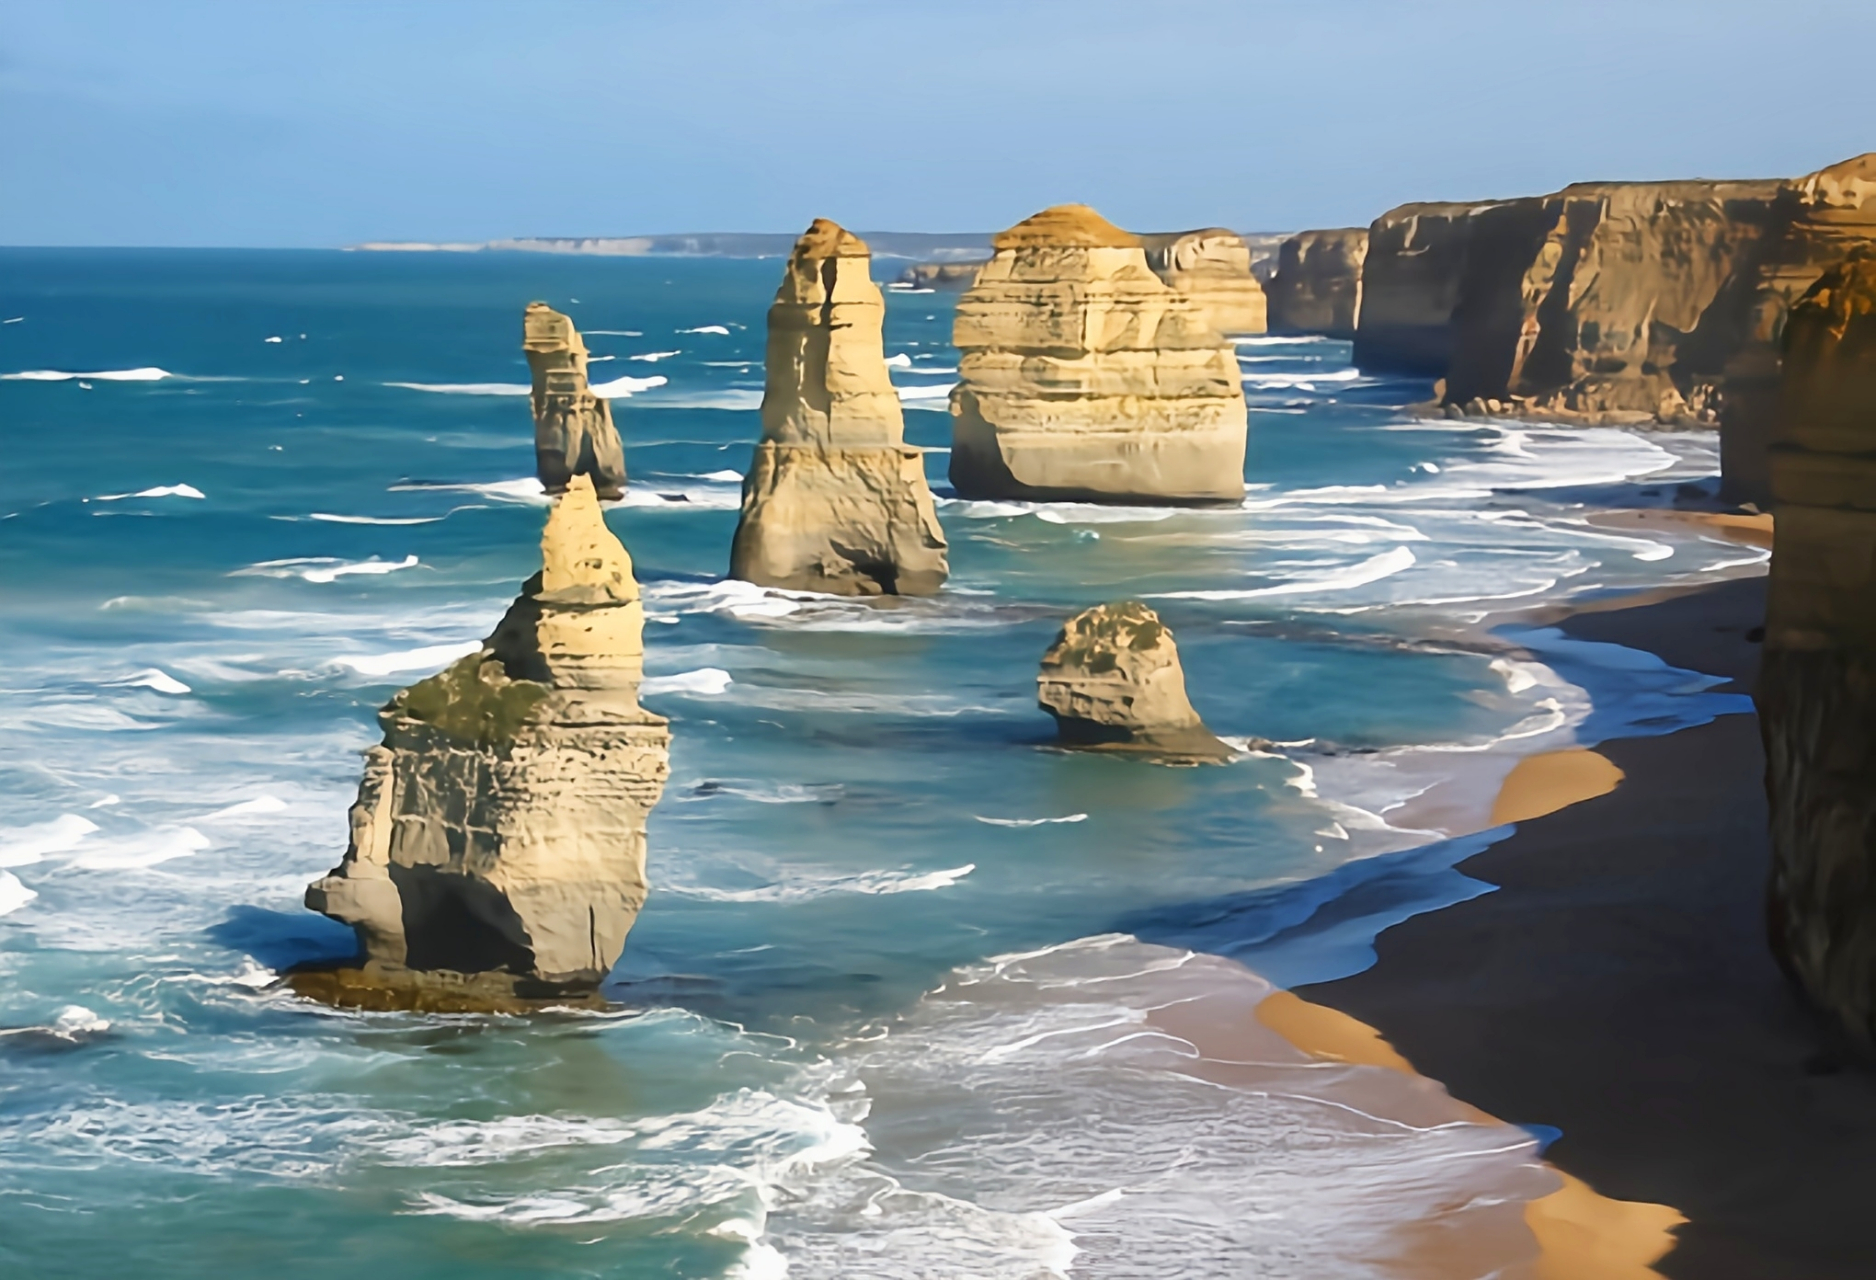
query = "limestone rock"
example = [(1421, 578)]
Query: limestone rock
[(1213, 268), (1410, 286), (1817, 687), (1819, 220), (1083, 376), (834, 500), (1317, 285), (498, 842), (1113, 682), (573, 431), (941, 275)]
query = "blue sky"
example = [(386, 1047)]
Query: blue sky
[(269, 122)]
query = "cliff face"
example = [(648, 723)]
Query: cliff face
[(1818, 220), (1213, 268), (1113, 682), (573, 431), (1317, 286), (1083, 376), (1410, 287), (1817, 687), (940, 275), (834, 500), (498, 841)]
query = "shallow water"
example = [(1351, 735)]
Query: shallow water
[(220, 552)]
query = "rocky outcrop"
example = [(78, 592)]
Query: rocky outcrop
[(1213, 268), (497, 857), (1084, 376), (1113, 682), (573, 431), (1410, 286), (1817, 687), (834, 499), (940, 275), (1317, 285), (1818, 221)]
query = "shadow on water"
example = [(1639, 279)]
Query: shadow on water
[(1320, 929), (281, 939)]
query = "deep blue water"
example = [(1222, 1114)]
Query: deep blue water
[(216, 568)]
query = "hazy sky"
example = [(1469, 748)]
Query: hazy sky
[(266, 122)]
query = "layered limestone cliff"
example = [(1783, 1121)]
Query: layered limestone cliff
[(1410, 285), (834, 500), (1084, 376), (1817, 686), (573, 431), (1818, 221), (1317, 285), (497, 857), (940, 275), (1213, 268), (1113, 682)]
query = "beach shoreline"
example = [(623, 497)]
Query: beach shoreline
[(1616, 986)]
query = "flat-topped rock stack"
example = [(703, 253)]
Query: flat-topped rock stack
[(497, 858), (1084, 376), (573, 431), (1817, 688), (1113, 682), (834, 499), (1213, 268), (1317, 285)]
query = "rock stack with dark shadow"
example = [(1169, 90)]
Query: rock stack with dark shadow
[(573, 431), (1817, 688), (1113, 682), (1317, 285), (497, 858), (834, 500)]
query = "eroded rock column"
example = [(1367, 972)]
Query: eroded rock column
[(573, 431), (1113, 682)]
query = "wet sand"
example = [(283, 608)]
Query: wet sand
[(1617, 986)]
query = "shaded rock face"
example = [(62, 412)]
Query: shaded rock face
[(1084, 376), (1213, 268), (834, 500), (940, 275), (1817, 688), (573, 431), (498, 842), (1317, 285), (1818, 221), (1410, 281), (1113, 682)]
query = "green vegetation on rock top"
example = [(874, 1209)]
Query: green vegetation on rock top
[(472, 700)]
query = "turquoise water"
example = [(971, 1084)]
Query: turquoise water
[(248, 495)]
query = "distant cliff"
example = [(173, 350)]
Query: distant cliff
[(1316, 288), (933, 246), (1213, 268)]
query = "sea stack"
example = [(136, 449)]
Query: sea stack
[(497, 858), (1085, 377), (573, 431), (835, 500), (1113, 682), (1817, 686), (1213, 268), (1819, 220), (1317, 287)]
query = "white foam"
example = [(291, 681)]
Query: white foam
[(160, 491), (654, 356), (13, 894), (150, 678), (1298, 381), (1371, 570), (919, 395), (466, 388), (430, 657), (247, 808), (524, 489), (323, 568), (706, 328), (147, 374), (1028, 822), (706, 680), (801, 886), (723, 477), (24, 846), (899, 360), (328, 518), (75, 1021), (622, 387), (276, 339), (136, 853)]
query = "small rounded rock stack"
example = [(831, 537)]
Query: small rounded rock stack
[(1113, 682)]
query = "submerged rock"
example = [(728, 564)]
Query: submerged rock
[(1317, 285), (834, 500), (498, 843), (1084, 376), (1213, 268), (1113, 682), (1817, 687), (573, 431)]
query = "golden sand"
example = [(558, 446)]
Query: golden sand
[(1545, 783), (1753, 530)]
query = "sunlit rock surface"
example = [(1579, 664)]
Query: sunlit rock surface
[(573, 431), (1113, 682), (1213, 268)]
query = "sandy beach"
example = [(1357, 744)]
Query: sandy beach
[(1617, 987)]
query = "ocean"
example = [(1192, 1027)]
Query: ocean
[(904, 1000)]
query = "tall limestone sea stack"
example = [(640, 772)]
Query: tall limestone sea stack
[(834, 500), (1817, 687), (497, 858), (1083, 376), (1213, 268), (1113, 682), (573, 431), (1317, 286)]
